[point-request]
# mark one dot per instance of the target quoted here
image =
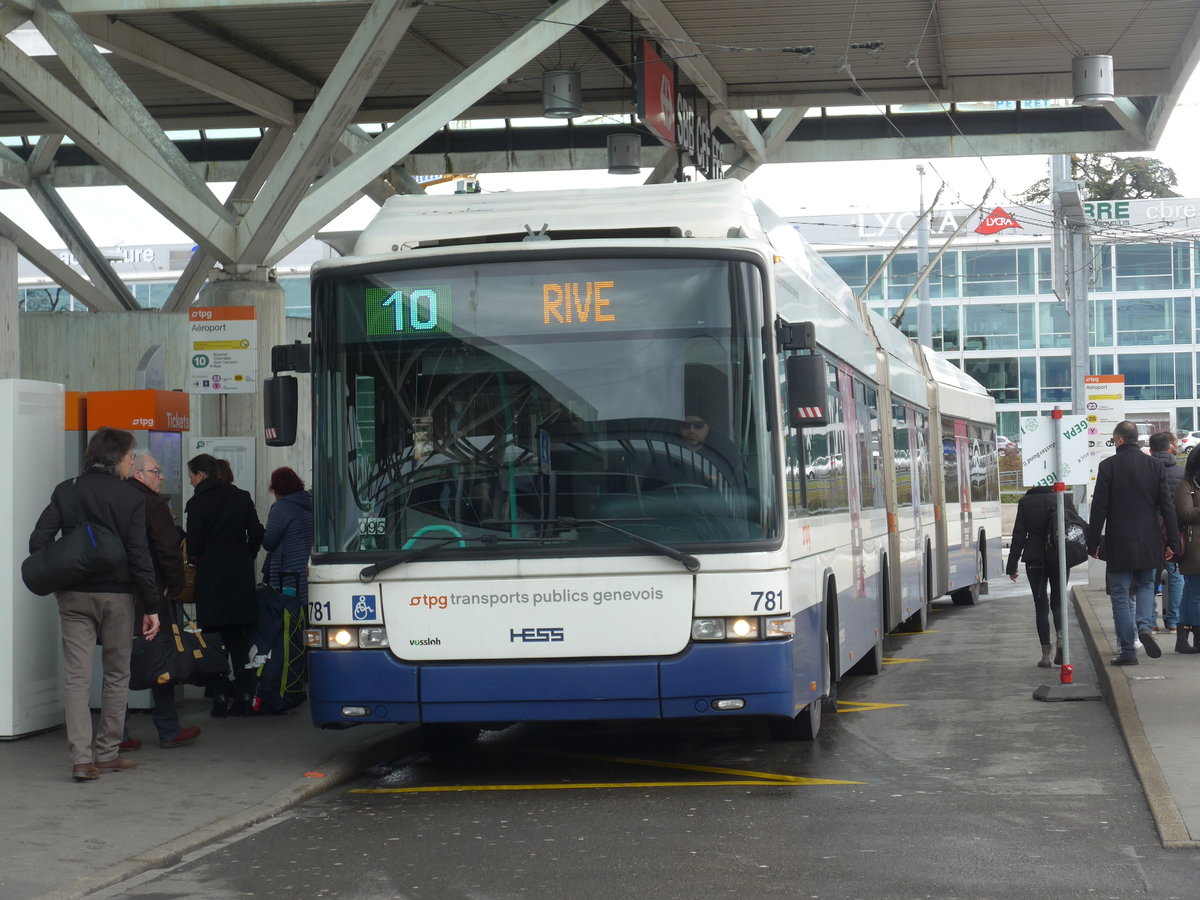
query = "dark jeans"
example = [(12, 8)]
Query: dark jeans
[(163, 712), (1040, 577)]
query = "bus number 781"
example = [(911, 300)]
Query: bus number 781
[(767, 601)]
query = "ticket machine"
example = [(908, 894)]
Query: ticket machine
[(157, 420)]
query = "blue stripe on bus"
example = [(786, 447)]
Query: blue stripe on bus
[(773, 677)]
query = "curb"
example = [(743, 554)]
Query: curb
[(1172, 831), (335, 771)]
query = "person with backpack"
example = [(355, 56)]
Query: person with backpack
[(1033, 531)]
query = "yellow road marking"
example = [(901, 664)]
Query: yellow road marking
[(692, 767), (896, 660), (746, 778), (598, 785), (849, 706)]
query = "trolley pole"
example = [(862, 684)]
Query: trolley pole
[(1066, 689)]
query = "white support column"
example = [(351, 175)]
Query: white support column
[(10, 330)]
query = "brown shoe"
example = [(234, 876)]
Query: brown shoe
[(85, 772), (116, 764)]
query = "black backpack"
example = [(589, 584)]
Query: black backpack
[(1076, 534)]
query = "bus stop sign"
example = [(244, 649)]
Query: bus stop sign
[(1038, 437)]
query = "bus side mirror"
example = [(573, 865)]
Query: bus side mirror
[(280, 406), (807, 398)]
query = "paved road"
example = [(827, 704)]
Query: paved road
[(940, 778)]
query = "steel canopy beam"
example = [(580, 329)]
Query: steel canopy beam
[(143, 172), (187, 68), (14, 171), (57, 270), (775, 137), (195, 273), (334, 109), (336, 191), (84, 249), (111, 95)]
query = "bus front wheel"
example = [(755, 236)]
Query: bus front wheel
[(803, 727)]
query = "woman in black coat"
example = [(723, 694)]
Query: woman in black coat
[(1029, 542), (223, 536)]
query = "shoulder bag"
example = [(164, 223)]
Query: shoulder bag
[(181, 654), (87, 549)]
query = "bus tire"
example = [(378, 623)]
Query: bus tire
[(917, 622), (969, 596), (448, 737), (803, 727)]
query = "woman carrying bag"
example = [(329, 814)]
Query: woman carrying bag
[(1187, 510), (223, 537)]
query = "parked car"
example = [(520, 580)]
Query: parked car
[(1002, 443), (1189, 440)]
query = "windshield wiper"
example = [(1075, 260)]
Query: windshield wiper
[(689, 562), (396, 559)]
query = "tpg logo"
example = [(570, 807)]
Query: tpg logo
[(536, 635)]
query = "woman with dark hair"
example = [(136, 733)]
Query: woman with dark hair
[(101, 609), (289, 534), (1187, 510), (223, 536), (1034, 512)]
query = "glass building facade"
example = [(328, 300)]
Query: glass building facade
[(995, 313)]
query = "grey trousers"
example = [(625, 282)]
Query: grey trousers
[(89, 618)]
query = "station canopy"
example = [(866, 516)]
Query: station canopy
[(309, 105)]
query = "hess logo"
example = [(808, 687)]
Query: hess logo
[(536, 635)]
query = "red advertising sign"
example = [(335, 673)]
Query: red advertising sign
[(995, 221), (656, 95)]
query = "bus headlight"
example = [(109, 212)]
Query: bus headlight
[(372, 637), (741, 628), (779, 627), (343, 639), (745, 629), (708, 629)]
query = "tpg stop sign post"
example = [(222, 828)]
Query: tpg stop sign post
[(1055, 452)]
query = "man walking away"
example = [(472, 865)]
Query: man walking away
[(1131, 506)]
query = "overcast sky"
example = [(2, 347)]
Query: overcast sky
[(114, 216)]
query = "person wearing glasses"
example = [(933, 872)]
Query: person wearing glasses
[(167, 557), (694, 430), (682, 462)]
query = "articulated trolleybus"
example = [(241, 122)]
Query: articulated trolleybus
[(631, 454)]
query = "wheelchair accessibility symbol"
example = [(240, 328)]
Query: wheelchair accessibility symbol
[(365, 609)]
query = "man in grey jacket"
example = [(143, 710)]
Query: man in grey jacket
[(1131, 506)]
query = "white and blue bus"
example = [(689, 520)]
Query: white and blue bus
[(630, 454)]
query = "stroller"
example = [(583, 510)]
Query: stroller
[(277, 655)]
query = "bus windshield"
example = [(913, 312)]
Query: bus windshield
[(504, 406)]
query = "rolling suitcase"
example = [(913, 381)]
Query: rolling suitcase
[(278, 652)]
